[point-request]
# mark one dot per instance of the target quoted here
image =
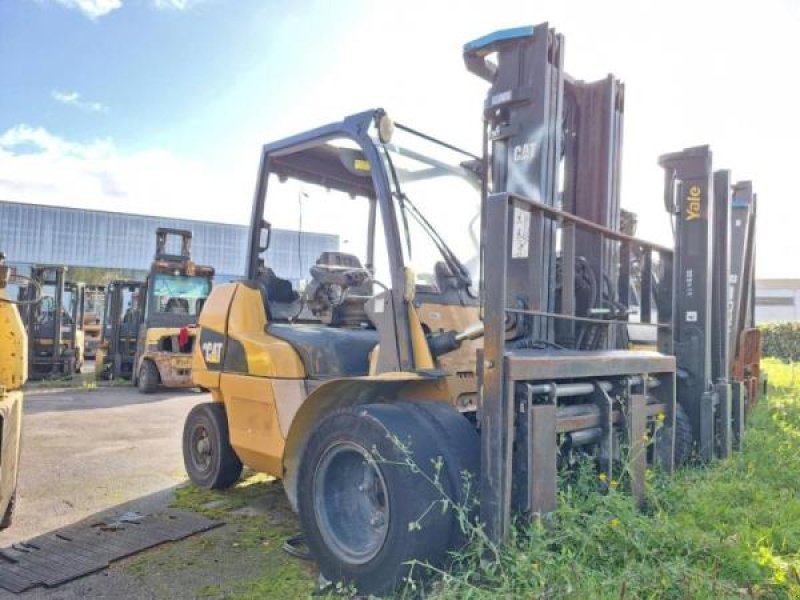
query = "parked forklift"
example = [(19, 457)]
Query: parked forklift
[(122, 318), (164, 315), (54, 324), (413, 369), (93, 306), (13, 374)]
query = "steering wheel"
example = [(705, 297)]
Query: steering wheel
[(330, 284)]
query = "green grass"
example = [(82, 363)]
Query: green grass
[(731, 530), (258, 536), (84, 381), (239, 561)]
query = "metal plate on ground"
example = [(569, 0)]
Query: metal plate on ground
[(60, 556)]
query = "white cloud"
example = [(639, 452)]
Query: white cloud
[(171, 4), (74, 99), (93, 9), (40, 167)]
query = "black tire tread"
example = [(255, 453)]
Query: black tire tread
[(148, 384), (683, 437), (228, 467), (371, 425)]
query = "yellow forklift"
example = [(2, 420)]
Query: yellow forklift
[(13, 374), (312, 367), (406, 369), (54, 324), (169, 306)]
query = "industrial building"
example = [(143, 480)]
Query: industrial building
[(777, 300), (103, 245)]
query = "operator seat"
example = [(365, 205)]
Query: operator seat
[(335, 350), (278, 295)]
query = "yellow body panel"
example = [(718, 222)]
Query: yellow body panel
[(153, 335), (99, 362), (419, 345), (13, 374), (267, 356), (174, 368), (262, 380), (79, 348), (460, 363), (13, 347), (11, 413), (214, 318), (253, 422)]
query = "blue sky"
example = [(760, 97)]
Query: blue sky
[(169, 77), (160, 106)]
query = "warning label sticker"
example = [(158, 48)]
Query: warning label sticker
[(521, 233)]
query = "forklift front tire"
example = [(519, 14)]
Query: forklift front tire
[(208, 456), (148, 378), (683, 438), (371, 498)]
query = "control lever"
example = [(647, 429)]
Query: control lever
[(447, 341)]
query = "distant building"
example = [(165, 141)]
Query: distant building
[(777, 300), (109, 244)]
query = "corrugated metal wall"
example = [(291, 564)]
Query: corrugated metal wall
[(31, 233)]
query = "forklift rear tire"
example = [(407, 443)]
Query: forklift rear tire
[(367, 499), (148, 378), (208, 456), (683, 438)]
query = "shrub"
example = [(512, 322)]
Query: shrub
[(781, 341)]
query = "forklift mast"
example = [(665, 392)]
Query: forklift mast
[(523, 114), (698, 199), (163, 237), (688, 194), (557, 281), (744, 345), (592, 155), (121, 326), (742, 267), (555, 294)]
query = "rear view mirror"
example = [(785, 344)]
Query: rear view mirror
[(265, 236)]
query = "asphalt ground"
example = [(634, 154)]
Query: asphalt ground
[(88, 450)]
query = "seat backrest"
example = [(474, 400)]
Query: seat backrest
[(278, 295), (277, 289), (339, 259)]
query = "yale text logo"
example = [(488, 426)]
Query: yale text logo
[(693, 201)]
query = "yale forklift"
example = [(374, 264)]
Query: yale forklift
[(13, 374), (412, 368), (168, 307), (54, 324), (116, 352)]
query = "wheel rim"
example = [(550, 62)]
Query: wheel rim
[(351, 503), (201, 448)]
